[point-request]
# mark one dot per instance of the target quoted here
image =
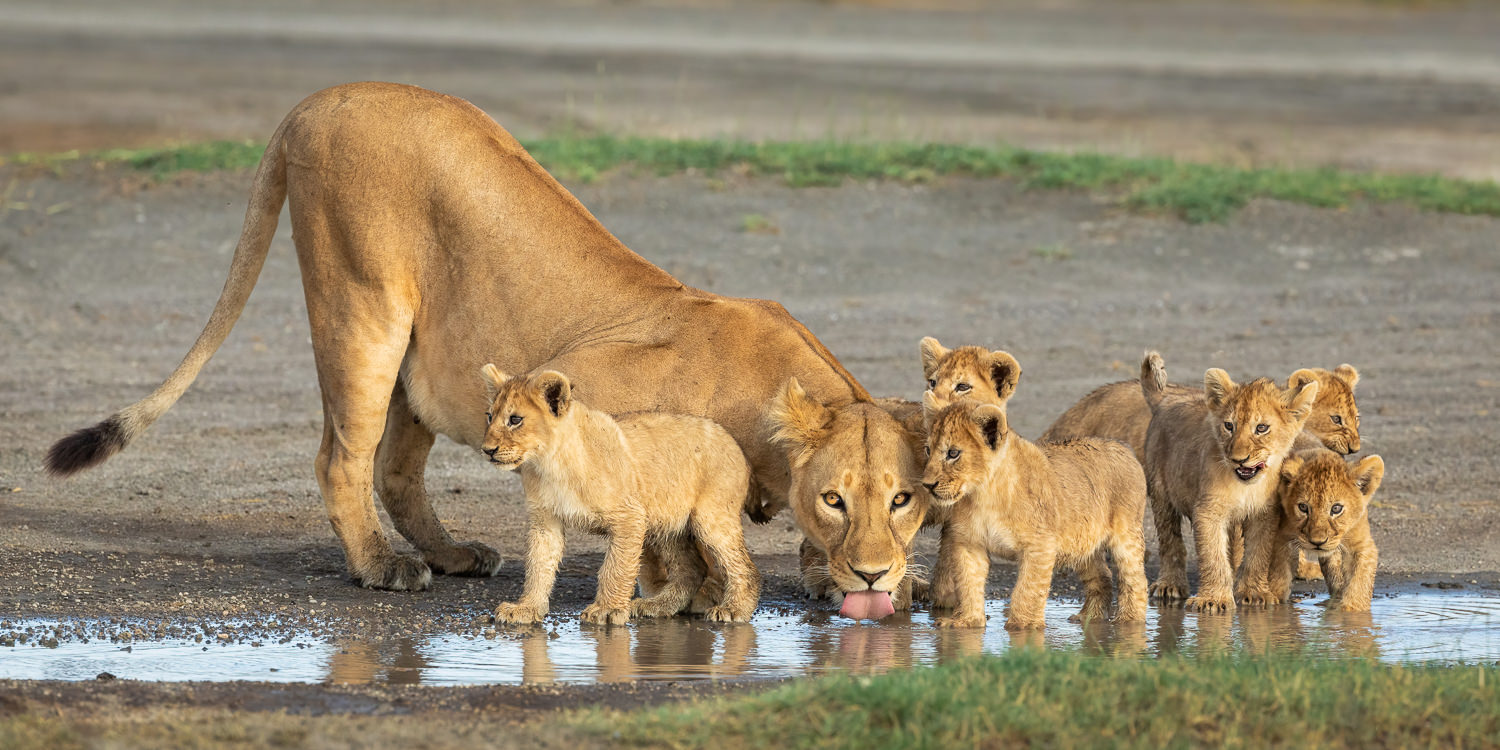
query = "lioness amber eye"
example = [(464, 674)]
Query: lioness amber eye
[(1229, 426), (901, 499), (1262, 429), (515, 419), (488, 417), (962, 387), (1302, 507), (833, 500), (953, 453), (1336, 509), (1337, 419)]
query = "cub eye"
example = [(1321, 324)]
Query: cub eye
[(963, 387), (832, 500), (954, 453), (1336, 509), (1229, 427), (1337, 419), (1302, 508), (931, 384), (488, 417), (1262, 429), (901, 499), (515, 420), (928, 450)]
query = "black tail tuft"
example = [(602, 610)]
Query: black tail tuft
[(86, 448)]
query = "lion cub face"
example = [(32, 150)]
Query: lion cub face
[(523, 416), (1334, 418), (1256, 422), (963, 441), (853, 488), (1324, 496), (970, 372)]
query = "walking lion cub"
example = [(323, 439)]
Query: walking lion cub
[(1216, 458), (643, 479), (1068, 503)]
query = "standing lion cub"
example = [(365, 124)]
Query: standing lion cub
[(1068, 503), (643, 479)]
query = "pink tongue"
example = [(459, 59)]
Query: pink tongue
[(867, 605)]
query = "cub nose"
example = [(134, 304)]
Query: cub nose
[(931, 487), (870, 578), (1319, 542), (491, 451)]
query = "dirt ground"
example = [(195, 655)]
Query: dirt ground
[(105, 279)]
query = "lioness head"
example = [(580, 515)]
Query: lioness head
[(1325, 496), (523, 416), (853, 486), (1255, 422), (1334, 418), (964, 442), (971, 372)]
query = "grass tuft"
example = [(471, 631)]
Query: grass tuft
[(1194, 192)]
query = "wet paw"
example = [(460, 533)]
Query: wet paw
[(1349, 606), (1088, 614), (1210, 604), (1258, 598), (467, 559), (722, 613), (965, 621), (598, 614), (396, 573), (1024, 623), (653, 607), (515, 613), (1168, 590), (921, 589)]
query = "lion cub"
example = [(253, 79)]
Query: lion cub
[(1068, 503), (642, 478), (1215, 458), (1324, 512), (971, 372)]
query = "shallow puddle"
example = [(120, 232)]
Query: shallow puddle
[(1400, 628)]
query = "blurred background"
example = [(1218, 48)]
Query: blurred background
[(1364, 84)]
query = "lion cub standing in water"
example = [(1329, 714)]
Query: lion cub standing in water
[(1215, 458), (643, 479), (1068, 502)]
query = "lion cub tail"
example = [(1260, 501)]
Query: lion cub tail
[(91, 446), (1153, 379)]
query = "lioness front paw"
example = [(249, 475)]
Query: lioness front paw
[(467, 559), (960, 621), (598, 614), (1169, 589), (1211, 604), (517, 613)]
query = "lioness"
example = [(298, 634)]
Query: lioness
[(1215, 458), (644, 479), (854, 495), (1324, 504), (1065, 502), (430, 244)]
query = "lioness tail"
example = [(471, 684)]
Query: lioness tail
[(1153, 379)]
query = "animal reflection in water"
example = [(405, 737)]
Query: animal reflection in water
[(1330, 633)]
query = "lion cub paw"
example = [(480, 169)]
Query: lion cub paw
[(722, 613), (1024, 623), (598, 614), (652, 607), (1169, 590), (1210, 604), (1309, 570), (1259, 598), (965, 621), (516, 613)]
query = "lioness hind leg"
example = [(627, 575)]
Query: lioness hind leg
[(399, 467), (1098, 590)]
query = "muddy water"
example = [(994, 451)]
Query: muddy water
[(1402, 628)]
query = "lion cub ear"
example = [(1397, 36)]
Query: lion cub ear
[(1299, 401), (493, 379), (1300, 378), (556, 390), (1005, 372), (1218, 386), (1290, 468), (930, 409), (932, 353), (990, 420), (800, 422), (1348, 374), (1368, 474)]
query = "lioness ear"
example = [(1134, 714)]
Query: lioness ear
[(1348, 374), (1300, 378), (1218, 386), (991, 422), (799, 422), (555, 390), (1299, 402), (493, 379), (932, 351), (1368, 474), (1005, 371)]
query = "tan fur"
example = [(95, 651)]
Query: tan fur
[(968, 372), (1193, 447), (854, 493), (1324, 511), (1065, 503), (431, 243), (646, 479)]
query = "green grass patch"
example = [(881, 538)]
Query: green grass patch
[(1035, 698), (1194, 192)]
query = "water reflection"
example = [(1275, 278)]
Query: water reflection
[(1402, 628)]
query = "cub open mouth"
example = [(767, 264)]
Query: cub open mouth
[(1247, 473)]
